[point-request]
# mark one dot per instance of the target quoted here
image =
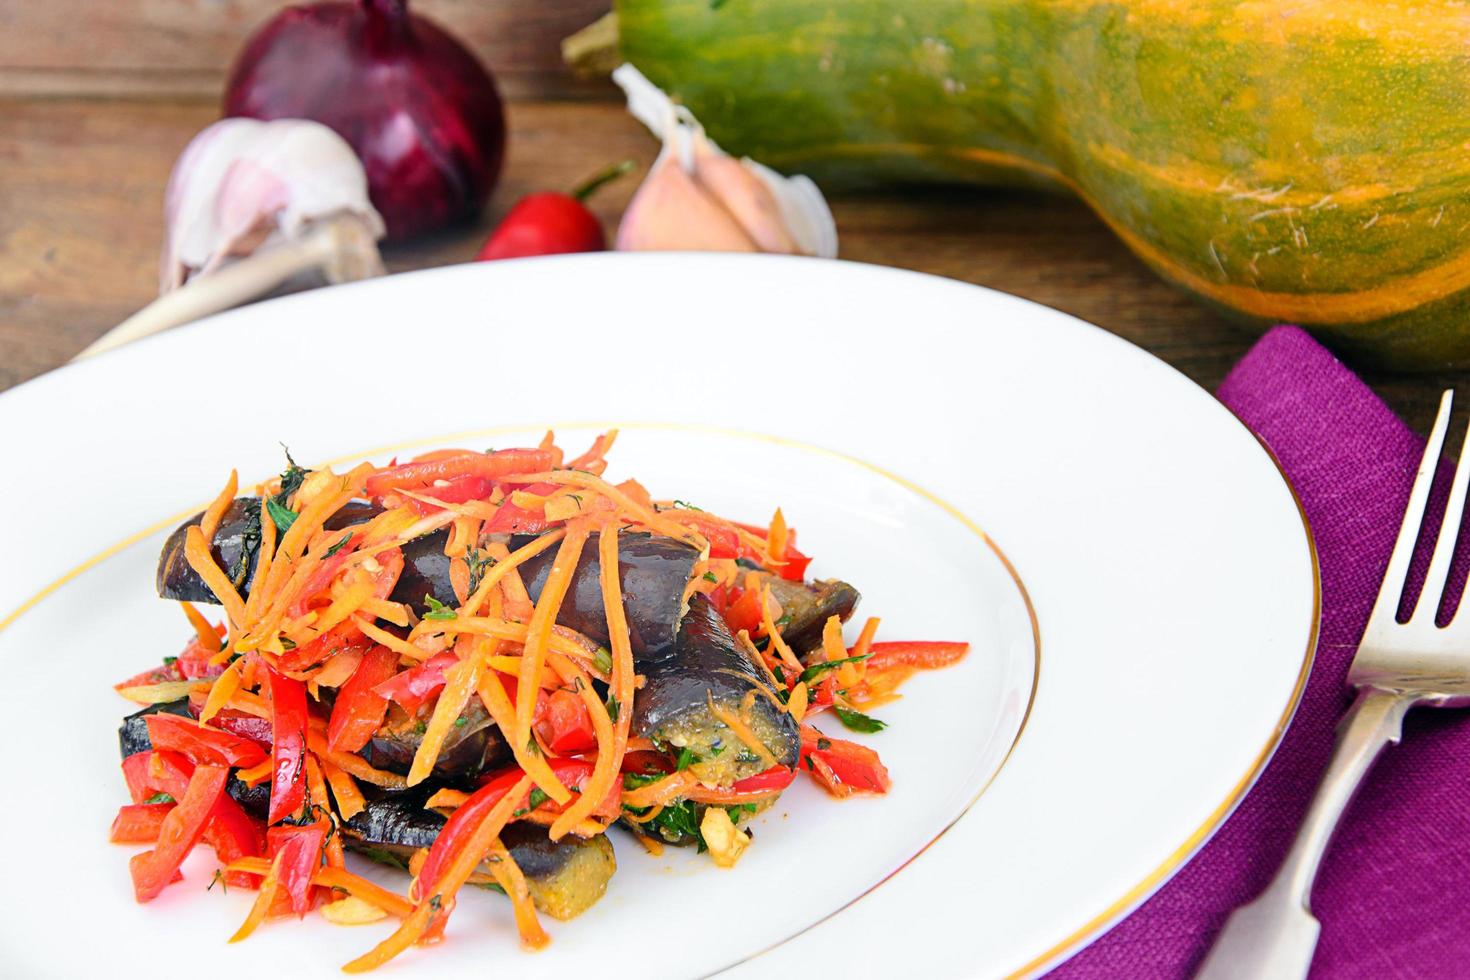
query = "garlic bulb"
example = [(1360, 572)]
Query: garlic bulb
[(243, 186), (696, 196)]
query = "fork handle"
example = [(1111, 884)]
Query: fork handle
[(1275, 936)]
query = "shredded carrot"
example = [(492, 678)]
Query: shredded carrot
[(508, 874), (403, 937), (787, 655), (460, 682), (352, 763), (338, 668), (505, 561), (316, 787), (215, 512), (834, 649), (643, 515), (776, 538), (605, 768), (527, 756), (263, 900), (349, 798), (225, 685), (255, 775), (654, 847), (609, 758), (538, 631), (197, 553), (209, 637), (796, 703), (594, 459), (394, 643), (390, 902), (447, 798), (671, 787)]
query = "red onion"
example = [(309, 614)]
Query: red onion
[(417, 106)]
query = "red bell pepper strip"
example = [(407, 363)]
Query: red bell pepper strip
[(234, 834), (926, 654), (455, 491), (511, 518), (138, 823), (345, 634), (416, 685), (743, 610), (565, 724), (359, 709), (204, 746), (288, 745), (301, 850), (420, 476), (840, 766), (769, 781), (159, 771), (181, 830), (243, 724)]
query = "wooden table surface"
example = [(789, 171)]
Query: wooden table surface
[(85, 153)]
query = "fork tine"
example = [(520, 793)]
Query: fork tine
[(1395, 577), (1449, 536)]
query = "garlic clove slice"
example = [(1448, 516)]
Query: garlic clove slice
[(672, 212)]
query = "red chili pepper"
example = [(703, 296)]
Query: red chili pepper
[(181, 830), (491, 466), (234, 834), (204, 746), (927, 654), (359, 709), (565, 724), (545, 223), (416, 685), (840, 766), (551, 223), (301, 850), (774, 778), (288, 745), (138, 823)]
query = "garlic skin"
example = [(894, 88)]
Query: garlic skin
[(243, 186), (698, 197)]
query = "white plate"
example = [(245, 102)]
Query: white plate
[(889, 414)]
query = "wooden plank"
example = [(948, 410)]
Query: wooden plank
[(81, 184), (183, 48)]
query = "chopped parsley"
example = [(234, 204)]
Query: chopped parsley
[(602, 660), (538, 797), (420, 727), (281, 515), (160, 798), (686, 505), (279, 506), (339, 545), (170, 661), (479, 563), (823, 744), (287, 643), (817, 670), (858, 721), (740, 808), (437, 609), (687, 758), (461, 721), (613, 708), (711, 577)]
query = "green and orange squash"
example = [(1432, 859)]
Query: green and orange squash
[(1304, 162)]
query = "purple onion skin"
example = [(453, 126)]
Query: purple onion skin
[(420, 110)]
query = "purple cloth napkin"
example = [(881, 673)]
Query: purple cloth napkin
[(1394, 891)]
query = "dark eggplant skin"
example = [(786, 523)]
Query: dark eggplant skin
[(653, 572), (565, 877), (807, 606), (132, 738), (673, 707), (425, 573), (132, 734), (236, 546), (469, 749)]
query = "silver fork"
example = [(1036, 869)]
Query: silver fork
[(1398, 666)]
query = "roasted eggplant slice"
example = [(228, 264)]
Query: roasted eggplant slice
[(565, 877), (675, 706), (425, 573), (235, 546), (653, 572), (808, 605), (469, 749)]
